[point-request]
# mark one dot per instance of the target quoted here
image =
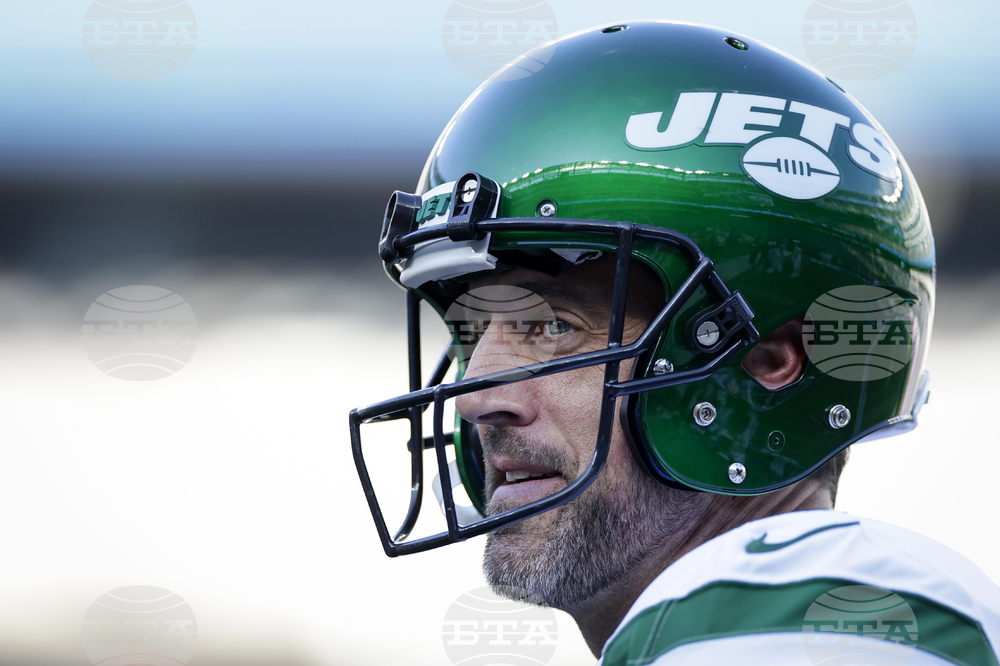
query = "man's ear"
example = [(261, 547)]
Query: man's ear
[(777, 360)]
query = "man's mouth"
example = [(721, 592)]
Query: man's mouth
[(523, 483), (522, 475)]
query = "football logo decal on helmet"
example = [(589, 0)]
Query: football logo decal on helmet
[(791, 167)]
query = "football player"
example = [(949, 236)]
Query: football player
[(684, 272)]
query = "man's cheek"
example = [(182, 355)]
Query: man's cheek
[(576, 396)]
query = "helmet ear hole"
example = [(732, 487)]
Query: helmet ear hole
[(778, 359)]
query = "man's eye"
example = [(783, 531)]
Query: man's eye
[(555, 328)]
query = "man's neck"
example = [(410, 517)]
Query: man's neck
[(598, 616)]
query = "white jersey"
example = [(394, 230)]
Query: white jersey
[(813, 587)]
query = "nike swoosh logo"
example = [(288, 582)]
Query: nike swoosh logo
[(758, 545)]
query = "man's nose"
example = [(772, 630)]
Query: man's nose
[(507, 405)]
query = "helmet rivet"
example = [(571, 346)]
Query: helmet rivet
[(776, 440), (840, 416), (468, 190), (707, 333), (737, 472), (737, 43), (704, 413), (547, 209), (662, 367)]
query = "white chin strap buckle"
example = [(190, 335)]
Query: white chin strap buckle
[(466, 513)]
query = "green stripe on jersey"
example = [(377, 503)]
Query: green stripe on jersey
[(725, 609)]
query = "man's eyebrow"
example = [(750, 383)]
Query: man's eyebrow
[(563, 293)]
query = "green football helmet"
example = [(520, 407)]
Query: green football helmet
[(756, 189)]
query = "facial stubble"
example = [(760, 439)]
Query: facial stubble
[(593, 542)]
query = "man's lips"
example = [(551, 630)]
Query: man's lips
[(513, 495), (521, 483)]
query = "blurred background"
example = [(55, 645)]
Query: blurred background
[(239, 155)]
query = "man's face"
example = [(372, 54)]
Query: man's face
[(539, 435)]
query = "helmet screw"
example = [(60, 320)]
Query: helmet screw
[(468, 190), (840, 416), (704, 413), (707, 333), (662, 367), (737, 472), (547, 209)]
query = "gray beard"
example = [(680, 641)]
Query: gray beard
[(595, 541)]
